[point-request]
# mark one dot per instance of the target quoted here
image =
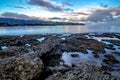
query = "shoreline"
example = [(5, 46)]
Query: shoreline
[(65, 33), (60, 56)]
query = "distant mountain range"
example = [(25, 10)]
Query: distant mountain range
[(20, 22)]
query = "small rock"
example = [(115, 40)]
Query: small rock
[(118, 53), (96, 55), (19, 43), (94, 52), (74, 55)]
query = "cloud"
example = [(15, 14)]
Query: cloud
[(106, 14), (66, 4), (46, 4), (69, 9), (16, 16), (98, 14), (20, 6), (79, 13), (94, 14), (57, 19), (104, 5)]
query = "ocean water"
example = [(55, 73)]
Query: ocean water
[(21, 30)]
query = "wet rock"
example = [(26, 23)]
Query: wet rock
[(52, 58), (19, 43), (74, 55), (22, 67), (6, 54), (94, 52), (118, 53), (105, 72), (55, 76), (73, 48), (110, 59), (104, 67), (110, 47), (46, 46), (118, 36), (96, 55), (32, 41), (16, 50), (0, 48), (111, 35), (20, 62), (96, 46), (82, 73), (115, 42)]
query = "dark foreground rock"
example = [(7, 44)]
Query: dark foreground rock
[(20, 67), (40, 57), (83, 72)]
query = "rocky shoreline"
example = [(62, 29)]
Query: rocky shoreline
[(82, 56)]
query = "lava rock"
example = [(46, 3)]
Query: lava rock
[(96, 55), (74, 55), (22, 67), (110, 59), (46, 46), (19, 43), (118, 53)]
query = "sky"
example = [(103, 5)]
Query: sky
[(62, 10)]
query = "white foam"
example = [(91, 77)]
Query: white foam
[(107, 43), (4, 47), (41, 39), (27, 44), (63, 38), (66, 34), (104, 38)]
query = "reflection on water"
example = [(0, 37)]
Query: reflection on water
[(20, 30)]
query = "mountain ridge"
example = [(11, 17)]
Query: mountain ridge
[(21, 22)]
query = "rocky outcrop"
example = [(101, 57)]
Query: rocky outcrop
[(110, 59), (46, 46), (34, 57), (19, 66), (83, 72)]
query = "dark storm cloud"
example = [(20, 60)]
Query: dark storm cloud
[(46, 4), (105, 14), (15, 15)]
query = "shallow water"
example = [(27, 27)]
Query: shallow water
[(21, 30), (89, 58), (82, 58), (3, 47)]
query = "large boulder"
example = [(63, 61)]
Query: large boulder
[(46, 46), (20, 67)]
